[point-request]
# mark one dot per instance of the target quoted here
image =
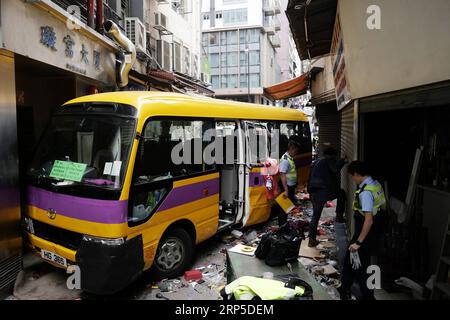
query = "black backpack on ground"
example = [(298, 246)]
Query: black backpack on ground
[(279, 247)]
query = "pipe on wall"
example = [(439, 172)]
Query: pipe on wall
[(90, 19), (130, 50), (99, 16)]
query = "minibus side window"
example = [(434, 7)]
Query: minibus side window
[(169, 149)]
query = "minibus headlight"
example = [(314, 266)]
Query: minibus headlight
[(105, 241)]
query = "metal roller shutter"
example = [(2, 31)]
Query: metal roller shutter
[(329, 121), (348, 149)]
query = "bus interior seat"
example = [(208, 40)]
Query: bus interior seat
[(101, 157)]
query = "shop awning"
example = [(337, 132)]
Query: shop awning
[(312, 25), (288, 89)]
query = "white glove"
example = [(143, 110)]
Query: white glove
[(354, 260)]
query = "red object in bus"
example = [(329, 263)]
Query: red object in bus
[(193, 275), (92, 90), (272, 190)]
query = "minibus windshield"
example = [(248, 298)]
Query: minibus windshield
[(84, 150)]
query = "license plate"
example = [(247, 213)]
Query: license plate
[(53, 257)]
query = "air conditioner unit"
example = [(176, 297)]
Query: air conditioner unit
[(135, 31), (160, 21), (204, 77)]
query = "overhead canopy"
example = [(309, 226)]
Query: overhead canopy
[(288, 89), (312, 26)]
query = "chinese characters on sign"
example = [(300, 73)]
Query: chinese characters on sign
[(69, 46), (97, 59), (48, 38), (84, 54), (342, 87)]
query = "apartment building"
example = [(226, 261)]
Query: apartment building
[(239, 43)]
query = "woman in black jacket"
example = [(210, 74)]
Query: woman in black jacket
[(324, 186)]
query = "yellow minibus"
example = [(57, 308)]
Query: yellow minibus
[(107, 192)]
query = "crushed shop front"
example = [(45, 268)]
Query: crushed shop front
[(405, 139)]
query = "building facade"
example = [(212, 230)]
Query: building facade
[(239, 43), (382, 77), (173, 34)]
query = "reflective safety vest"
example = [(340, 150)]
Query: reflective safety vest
[(291, 175), (247, 288), (379, 200)]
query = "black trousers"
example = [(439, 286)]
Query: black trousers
[(282, 216), (340, 206), (367, 249), (318, 205), (317, 212)]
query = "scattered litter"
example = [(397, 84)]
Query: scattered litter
[(193, 275), (243, 249), (330, 204), (307, 262), (309, 252), (250, 236), (237, 234), (160, 296), (326, 244), (166, 286), (329, 270)]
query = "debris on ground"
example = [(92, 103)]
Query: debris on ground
[(193, 275)]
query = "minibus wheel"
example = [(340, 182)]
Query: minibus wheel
[(175, 252)]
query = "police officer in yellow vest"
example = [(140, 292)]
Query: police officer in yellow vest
[(367, 206), (288, 176)]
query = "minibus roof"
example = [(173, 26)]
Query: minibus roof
[(156, 103)]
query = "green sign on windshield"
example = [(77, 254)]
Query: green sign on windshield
[(67, 170)]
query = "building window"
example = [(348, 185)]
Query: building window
[(243, 58), (213, 39), (205, 39), (254, 80), (214, 60), (223, 82), (223, 59), (232, 37), (206, 16), (243, 80), (218, 15), (232, 59), (235, 16), (195, 66), (223, 38), (177, 57), (215, 81), (249, 36), (187, 60), (254, 57), (163, 54), (232, 81)]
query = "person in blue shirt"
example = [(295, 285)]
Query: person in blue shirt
[(368, 207), (288, 176)]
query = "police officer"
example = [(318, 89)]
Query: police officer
[(368, 205), (288, 176)]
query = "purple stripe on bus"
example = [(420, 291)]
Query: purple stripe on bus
[(189, 193), (256, 179), (93, 210)]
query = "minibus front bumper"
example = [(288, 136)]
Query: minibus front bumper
[(106, 265), (109, 265)]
